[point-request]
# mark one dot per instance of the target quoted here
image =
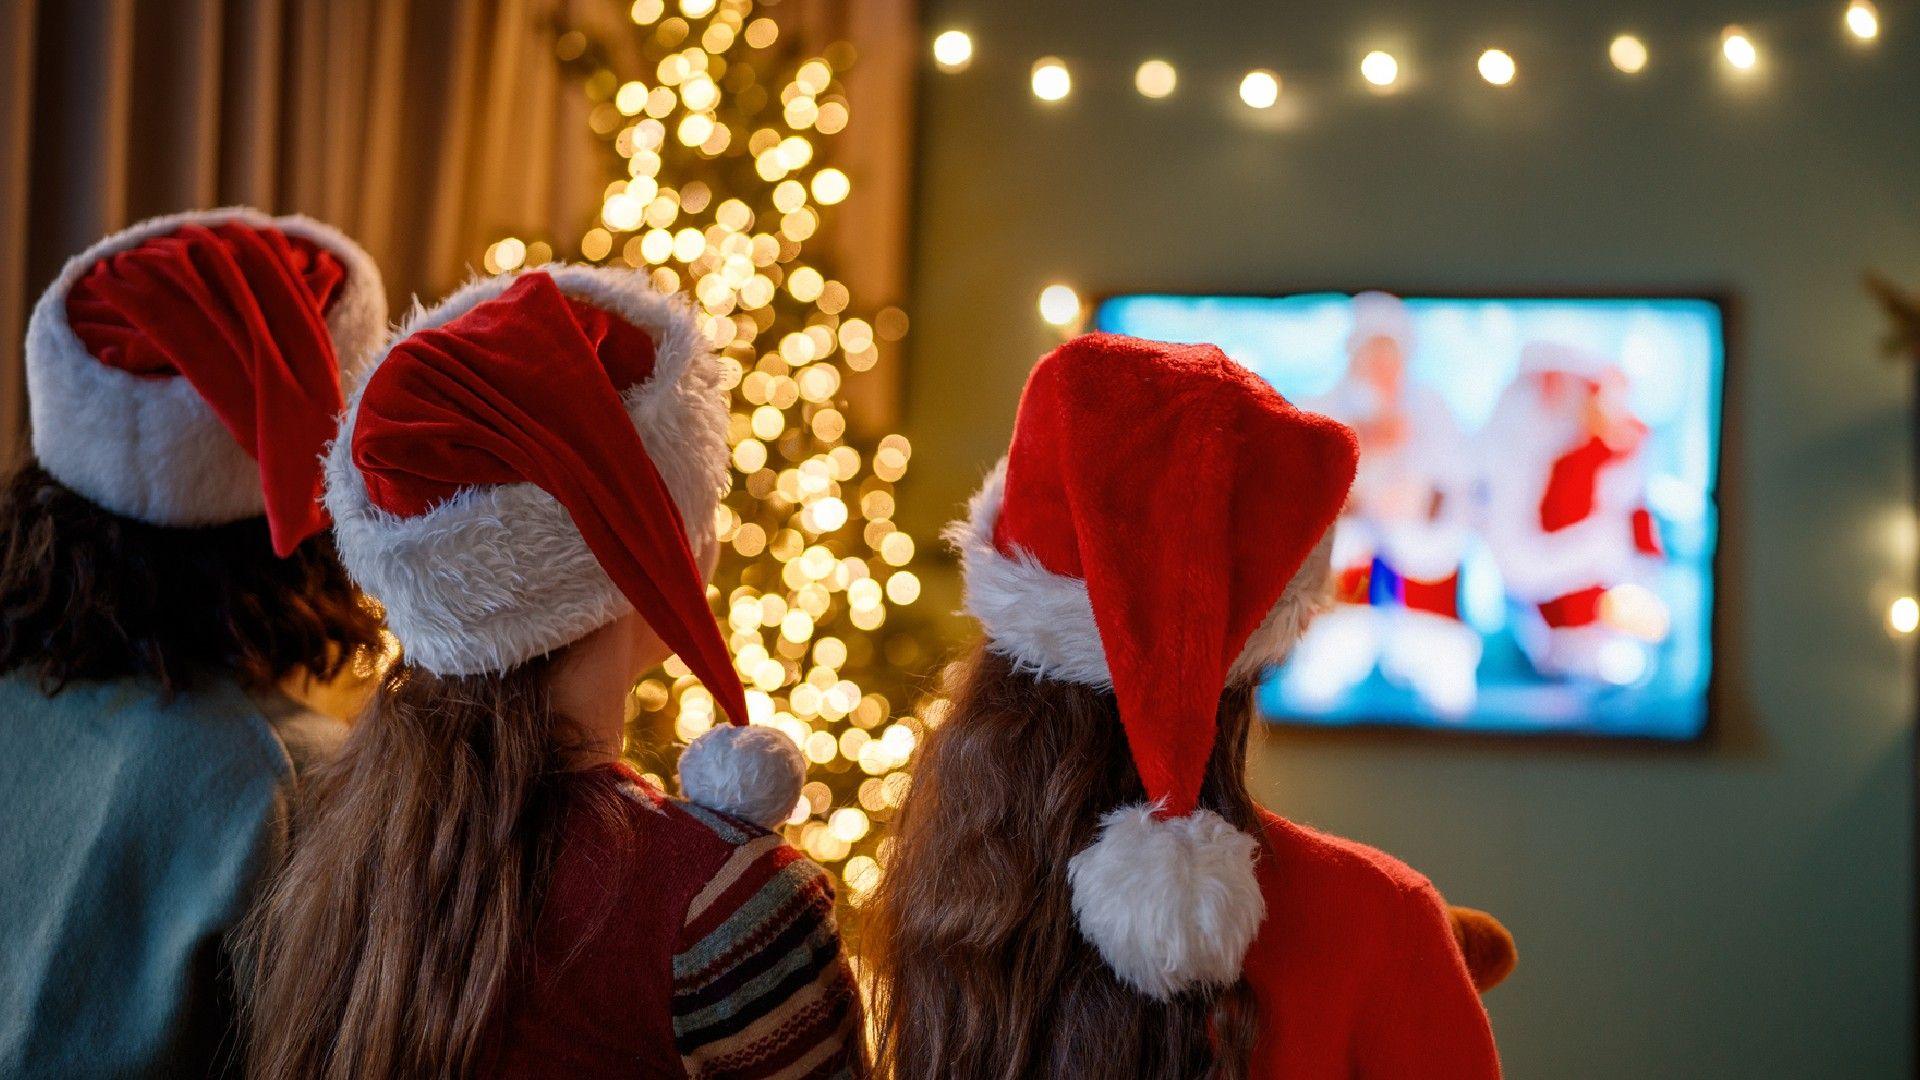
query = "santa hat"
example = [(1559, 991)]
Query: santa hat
[(1159, 528), (1379, 315), (530, 460), (187, 371)]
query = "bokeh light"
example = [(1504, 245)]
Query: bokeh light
[(1260, 89), (1051, 82), (1628, 53), (1059, 305), (1497, 67), (1155, 79), (1379, 68), (953, 50)]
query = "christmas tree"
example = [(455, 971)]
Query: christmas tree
[(717, 152)]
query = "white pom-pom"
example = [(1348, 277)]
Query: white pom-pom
[(747, 771), (1171, 904)]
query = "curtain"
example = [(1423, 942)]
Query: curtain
[(425, 129)]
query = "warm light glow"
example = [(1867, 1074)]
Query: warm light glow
[(1059, 305), (1155, 79), (1379, 68), (953, 50), (508, 254), (1050, 79), (1260, 89), (1497, 67), (1903, 616), (1863, 20), (830, 186), (1628, 53), (1739, 49)]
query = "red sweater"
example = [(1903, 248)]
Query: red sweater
[(675, 942), (1356, 969)]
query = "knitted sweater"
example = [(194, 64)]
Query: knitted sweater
[(676, 942), (1356, 971), (136, 831)]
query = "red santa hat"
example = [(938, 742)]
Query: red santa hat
[(1158, 528), (533, 458), (187, 371)]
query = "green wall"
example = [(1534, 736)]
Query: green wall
[(1740, 909)]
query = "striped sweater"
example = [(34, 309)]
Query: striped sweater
[(676, 942)]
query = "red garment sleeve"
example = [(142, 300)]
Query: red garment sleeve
[(1422, 1017)]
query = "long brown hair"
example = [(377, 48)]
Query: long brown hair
[(385, 946), (88, 594), (977, 967)]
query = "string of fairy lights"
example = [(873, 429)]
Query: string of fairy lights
[(1742, 49), (720, 184)]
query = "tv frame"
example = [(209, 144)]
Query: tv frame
[(1717, 730)]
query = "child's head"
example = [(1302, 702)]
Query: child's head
[(183, 377), (1157, 534)]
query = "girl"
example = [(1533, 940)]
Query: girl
[(527, 482), (1081, 884), (168, 591)]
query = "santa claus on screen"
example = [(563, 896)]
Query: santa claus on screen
[(1406, 526), (1567, 519)]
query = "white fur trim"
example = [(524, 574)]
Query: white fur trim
[(1171, 904), (745, 770), (1044, 623), (498, 574), (152, 449)]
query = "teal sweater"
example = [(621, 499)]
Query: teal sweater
[(133, 833)]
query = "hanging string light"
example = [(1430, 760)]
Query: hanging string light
[(1051, 82), (1739, 49), (1260, 89), (953, 50), (1379, 68), (1155, 79), (1863, 20), (1628, 53), (1497, 67)]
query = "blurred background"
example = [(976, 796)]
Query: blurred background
[(869, 200)]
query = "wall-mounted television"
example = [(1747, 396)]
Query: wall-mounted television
[(1529, 545)]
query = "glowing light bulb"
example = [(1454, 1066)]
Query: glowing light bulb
[(1051, 82), (1903, 615), (830, 186), (953, 50), (1628, 53), (1059, 305), (1739, 49), (1155, 79), (1497, 67), (1379, 68), (1863, 20), (1260, 89)]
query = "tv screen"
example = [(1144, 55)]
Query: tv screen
[(1529, 544)]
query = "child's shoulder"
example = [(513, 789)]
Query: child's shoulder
[(1324, 868), (706, 850)]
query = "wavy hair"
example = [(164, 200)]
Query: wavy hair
[(407, 907), (88, 594), (978, 970)]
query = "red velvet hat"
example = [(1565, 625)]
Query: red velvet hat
[(187, 371), (1159, 528), (533, 458)]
